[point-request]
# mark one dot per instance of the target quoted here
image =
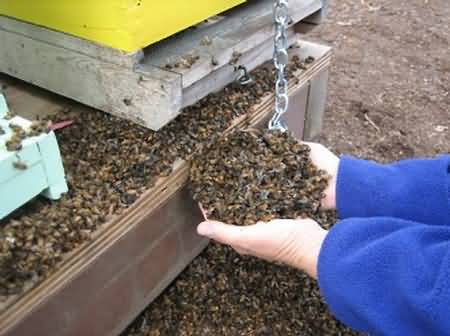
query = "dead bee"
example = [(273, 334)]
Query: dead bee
[(20, 165), (206, 41), (9, 115), (214, 61), (14, 144), (15, 127), (309, 60), (235, 57), (188, 61), (38, 127)]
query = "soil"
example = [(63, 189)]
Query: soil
[(388, 100), (392, 67)]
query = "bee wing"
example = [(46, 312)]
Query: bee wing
[(204, 213)]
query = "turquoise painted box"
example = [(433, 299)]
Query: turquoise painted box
[(30, 167)]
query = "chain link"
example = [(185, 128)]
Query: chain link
[(280, 59)]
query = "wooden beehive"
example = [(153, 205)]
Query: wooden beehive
[(151, 85), (127, 25)]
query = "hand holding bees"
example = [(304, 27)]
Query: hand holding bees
[(324, 159), (295, 242)]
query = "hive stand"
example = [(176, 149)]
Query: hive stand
[(138, 86)]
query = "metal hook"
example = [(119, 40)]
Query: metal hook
[(244, 78)]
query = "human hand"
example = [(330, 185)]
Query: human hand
[(324, 159), (293, 242)]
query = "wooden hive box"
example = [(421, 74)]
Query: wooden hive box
[(127, 25), (149, 86)]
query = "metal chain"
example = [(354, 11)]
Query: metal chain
[(280, 59)]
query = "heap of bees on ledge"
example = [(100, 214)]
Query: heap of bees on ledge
[(14, 143), (109, 163), (251, 176)]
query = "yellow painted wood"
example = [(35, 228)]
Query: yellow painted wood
[(128, 25)]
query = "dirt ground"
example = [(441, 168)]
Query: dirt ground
[(389, 86)]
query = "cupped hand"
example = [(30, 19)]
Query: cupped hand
[(293, 242), (324, 159)]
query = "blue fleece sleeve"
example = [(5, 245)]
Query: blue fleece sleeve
[(388, 276), (417, 190)]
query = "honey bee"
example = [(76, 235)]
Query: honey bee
[(188, 61), (309, 60), (214, 61), (20, 165), (16, 128), (235, 57), (38, 127), (9, 115), (14, 144), (206, 41)]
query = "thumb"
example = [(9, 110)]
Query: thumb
[(223, 233)]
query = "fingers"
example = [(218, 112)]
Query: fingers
[(241, 251), (224, 233), (312, 145)]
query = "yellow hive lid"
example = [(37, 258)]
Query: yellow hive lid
[(128, 25)]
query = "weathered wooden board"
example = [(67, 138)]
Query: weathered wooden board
[(239, 31), (102, 286), (138, 86)]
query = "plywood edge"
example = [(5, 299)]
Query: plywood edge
[(238, 32), (69, 42)]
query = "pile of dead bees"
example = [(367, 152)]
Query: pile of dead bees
[(242, 178), (109, 163), (251, 176)]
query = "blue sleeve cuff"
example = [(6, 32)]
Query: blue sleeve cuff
[(417, 190), (387, 276), (332, 284)]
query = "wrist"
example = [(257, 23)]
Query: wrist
[(329, 201), (308, 251), (311, 263)]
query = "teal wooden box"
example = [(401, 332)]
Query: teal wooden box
[(35, 169)]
